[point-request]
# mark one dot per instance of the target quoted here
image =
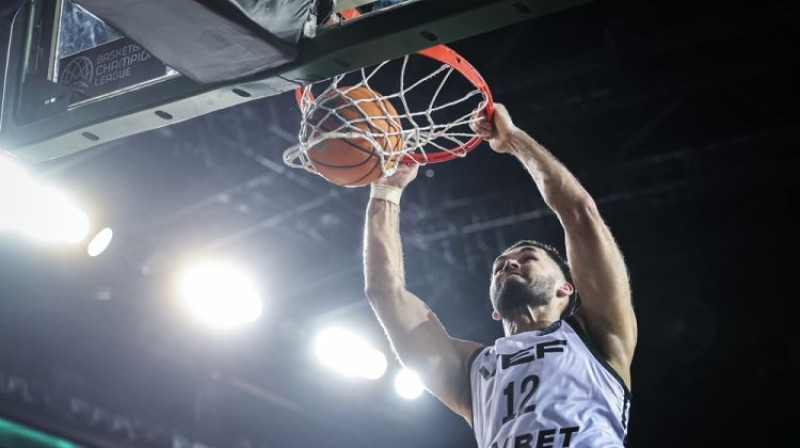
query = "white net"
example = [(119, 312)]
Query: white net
[(426, 119)]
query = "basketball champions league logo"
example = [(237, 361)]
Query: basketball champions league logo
[(108, 68), (78, 75)]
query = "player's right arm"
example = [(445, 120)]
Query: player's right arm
[(415, 333)]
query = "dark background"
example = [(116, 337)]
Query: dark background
[(680, 119)]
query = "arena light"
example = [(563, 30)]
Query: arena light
[(35, 210), (219, 295), (100, 242), (408, 385), (46, 214), (14, 182), (349, 355), (372, 364)]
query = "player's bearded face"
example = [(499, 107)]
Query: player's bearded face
[(515, 291)]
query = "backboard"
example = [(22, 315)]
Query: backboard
[(72, 81)]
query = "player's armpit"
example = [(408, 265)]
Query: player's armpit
[(422, 344), (452, 386)]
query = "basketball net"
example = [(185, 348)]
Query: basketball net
[(423, 140)]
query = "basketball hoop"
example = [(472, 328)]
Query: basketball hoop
[(424, 140)]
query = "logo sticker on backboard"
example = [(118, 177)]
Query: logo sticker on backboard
[(107, 68), (78, 73)]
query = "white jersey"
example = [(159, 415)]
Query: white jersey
[(547, 389)]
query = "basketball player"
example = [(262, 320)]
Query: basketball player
[(561, 375)]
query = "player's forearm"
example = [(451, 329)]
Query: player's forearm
[(383, 255), (398, 310), (560, 190)]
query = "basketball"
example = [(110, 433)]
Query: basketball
[(353, 162)]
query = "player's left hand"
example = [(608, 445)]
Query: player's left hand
[(498, 132)]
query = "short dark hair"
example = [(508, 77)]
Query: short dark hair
[(555, 255)]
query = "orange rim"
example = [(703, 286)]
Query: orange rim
[(445, 55)]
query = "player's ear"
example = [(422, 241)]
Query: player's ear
[(496, 315), (565, 290)]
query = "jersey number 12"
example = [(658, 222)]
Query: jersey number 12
[(526, 390)]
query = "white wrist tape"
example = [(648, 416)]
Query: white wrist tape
[(386, 193)]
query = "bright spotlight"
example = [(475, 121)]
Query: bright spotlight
[(100, 242), (372, 364), (11, 173), (37, 211), (219, 295), (349, 355), (408, 385), (46, 214)]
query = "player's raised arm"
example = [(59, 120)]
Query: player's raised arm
[(597, 265), (416, 334)]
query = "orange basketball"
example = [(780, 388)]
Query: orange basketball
[(353, 162)]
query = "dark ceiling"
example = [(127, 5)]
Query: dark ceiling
[(680, 119)]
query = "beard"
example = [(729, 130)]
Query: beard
[(516, 292)]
